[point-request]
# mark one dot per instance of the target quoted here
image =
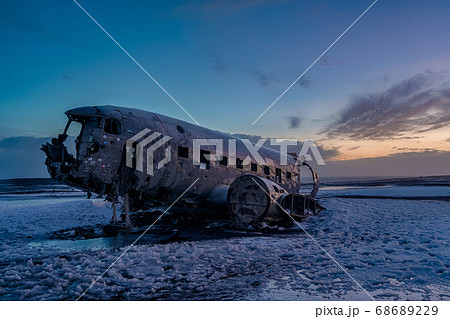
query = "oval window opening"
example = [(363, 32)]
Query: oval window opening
[(180, 129)]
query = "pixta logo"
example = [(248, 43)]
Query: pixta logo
[(141, 148), (146, 149), (252, 151)]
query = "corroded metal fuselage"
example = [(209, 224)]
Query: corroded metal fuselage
[(99, 164)]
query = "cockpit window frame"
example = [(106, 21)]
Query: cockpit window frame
[(110, 128)]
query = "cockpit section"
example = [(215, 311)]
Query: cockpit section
[(90, 131), (93, 131), (88, 141)]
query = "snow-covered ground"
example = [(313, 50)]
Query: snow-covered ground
[(397, 249)]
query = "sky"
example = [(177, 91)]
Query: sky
[(381, 93)]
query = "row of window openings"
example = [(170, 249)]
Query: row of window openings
[(110, 125), (184, 152)]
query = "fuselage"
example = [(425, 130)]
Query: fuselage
[(102, 157)]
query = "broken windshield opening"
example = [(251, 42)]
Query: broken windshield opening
[(73, 131), (82, 137), (74, 128)]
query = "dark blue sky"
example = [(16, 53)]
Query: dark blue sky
[(225, 62)]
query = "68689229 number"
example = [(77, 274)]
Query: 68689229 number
[(407, 310)]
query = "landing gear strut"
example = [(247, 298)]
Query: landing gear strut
[(127, 211)]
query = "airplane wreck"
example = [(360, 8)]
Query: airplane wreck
[(143, 159)]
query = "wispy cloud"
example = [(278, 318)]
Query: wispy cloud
[(67, 76), (415, 105), (294, 121), (353, 148), (331, 61), (264, 78), (272, 79), (219, 65), (306, 82), (415, 149)]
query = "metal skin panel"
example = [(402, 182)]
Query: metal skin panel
[(103, 170)]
